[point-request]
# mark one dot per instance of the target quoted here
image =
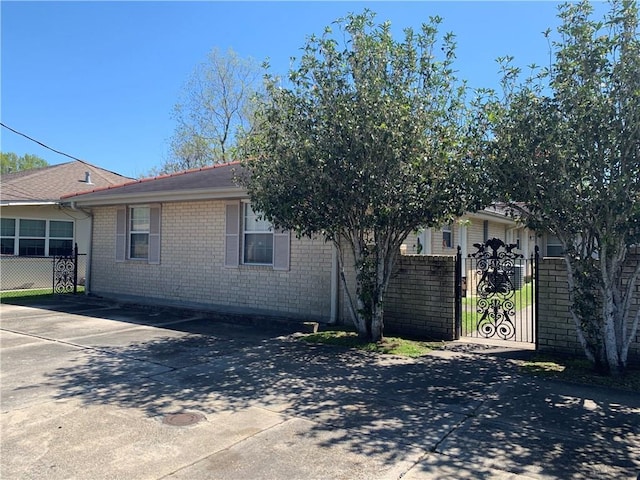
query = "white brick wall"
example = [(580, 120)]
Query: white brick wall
[(191, 267)]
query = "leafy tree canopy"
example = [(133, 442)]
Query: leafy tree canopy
[(11, 162), (567, 143), (369, 139)]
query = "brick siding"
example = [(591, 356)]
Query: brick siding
[(421, 297), (192, 271), (556, 329)]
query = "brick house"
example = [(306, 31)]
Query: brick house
[(191, 238)]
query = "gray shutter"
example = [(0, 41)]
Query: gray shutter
[(154, 234), (121, 234), (232, 235), (281, 248)]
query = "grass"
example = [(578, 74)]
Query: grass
[(580, 370), (30, 295), (522, 298), (389, 345)]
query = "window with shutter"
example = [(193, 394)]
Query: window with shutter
[(251, 240), (138, 233)]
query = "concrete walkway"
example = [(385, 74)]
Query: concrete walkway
[(91, 390)]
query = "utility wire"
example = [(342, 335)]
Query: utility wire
[(41, 144)]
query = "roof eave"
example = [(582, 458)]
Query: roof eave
[(233, 193), (27, 203), (495, 216)]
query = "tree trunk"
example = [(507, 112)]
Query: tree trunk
[(610, 339), (582, 338), (358, 322), (377, 323)]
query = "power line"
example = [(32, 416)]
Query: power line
[(41, 144)]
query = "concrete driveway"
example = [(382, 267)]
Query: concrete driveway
[(91, 390)]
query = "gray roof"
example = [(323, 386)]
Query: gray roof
[(49, 184), (214, 182)]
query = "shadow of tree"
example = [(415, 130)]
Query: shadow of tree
[(475, 409)]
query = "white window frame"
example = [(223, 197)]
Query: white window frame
[(46, 238), (553, 242), (131, 231), (51, 237), (246, 207), (234, 239), (124, 232), (447, 229), (13, 237)]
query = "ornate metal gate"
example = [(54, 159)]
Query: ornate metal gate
[(499, 298), (65, 273)]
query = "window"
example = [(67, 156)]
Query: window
[(28, 237), (138, 233), (60, 238), (253, 241), (447, 237), (257, 238), (32, 237), (7, 236), (485, 230), (554, 246)]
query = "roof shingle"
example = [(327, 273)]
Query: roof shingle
[(216, 177), (49, 184)]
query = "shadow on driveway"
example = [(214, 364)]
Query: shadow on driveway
[(475, 411)]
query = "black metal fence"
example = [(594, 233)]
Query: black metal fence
[(20, 275)]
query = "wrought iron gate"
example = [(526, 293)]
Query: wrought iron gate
[(65, 272), (497, 293)]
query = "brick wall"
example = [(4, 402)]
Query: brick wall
[(192, 272), (421, 297), (556, 329)]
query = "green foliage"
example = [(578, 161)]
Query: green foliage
[(391, 345), (10, 162), (370, 139), (567, 144), (33, 295)]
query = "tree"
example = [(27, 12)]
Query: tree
[(13, 163), (214, 110), (568, 145), (370, 140)]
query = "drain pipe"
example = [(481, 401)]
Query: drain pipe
[(87, 269), (333, 318)]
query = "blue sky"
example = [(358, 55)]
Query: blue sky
[(98, 80)]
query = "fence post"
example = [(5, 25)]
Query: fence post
[(458, 294), (536, 260), (75, 268)]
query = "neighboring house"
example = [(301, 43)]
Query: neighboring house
[(472, 228), (34, 223)]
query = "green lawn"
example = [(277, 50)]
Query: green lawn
[(522, 298), (32, 294)]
